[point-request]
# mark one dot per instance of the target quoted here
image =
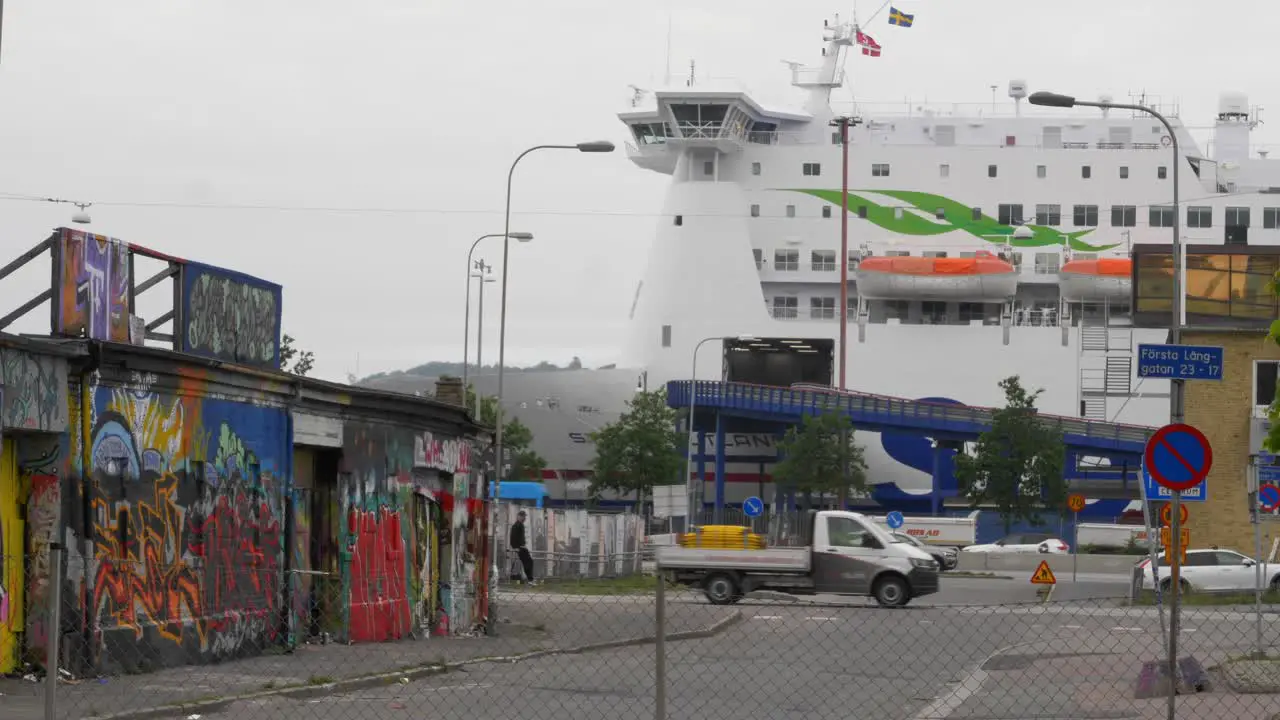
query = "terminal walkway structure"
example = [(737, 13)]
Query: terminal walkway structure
[(948, 424)]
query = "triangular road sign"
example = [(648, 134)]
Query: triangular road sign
[(1043, 575)]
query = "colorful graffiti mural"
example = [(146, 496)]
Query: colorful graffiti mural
[(34, 391), (91, 293), (12, 566), (186, 506), (230, 316)]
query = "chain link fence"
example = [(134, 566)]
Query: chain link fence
[(140, 640)]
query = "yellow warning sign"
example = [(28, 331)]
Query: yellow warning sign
[(1043, 575)]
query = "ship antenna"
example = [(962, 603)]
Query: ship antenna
[(874, 14), (666, 78)]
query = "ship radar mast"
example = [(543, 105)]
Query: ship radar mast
[(820, 80)]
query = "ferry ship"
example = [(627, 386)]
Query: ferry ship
[(984, 241)]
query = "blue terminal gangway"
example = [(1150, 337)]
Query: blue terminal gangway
[(948, 425)]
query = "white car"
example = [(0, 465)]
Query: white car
[(1213, 571), (1023, 543)]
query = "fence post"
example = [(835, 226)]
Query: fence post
[(55, 631), (660, 649)]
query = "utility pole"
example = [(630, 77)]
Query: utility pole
[(843, 122)]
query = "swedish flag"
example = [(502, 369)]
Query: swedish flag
[(899, 18)]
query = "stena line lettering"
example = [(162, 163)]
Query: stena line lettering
[(449, 454), (919, 532)]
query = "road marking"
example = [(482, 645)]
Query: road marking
[(820, 619), (415, 691), (1073, 627), (766, 617), (1126, 629), (926, 622)]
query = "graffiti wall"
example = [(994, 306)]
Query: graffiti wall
[(41, 471), (230, 316), (91, 289), (180, 553), (574, 543), (34, 391), (12, 567)]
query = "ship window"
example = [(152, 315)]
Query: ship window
[(991, 171), (822, 308), (1237, 216), (1160, 216), (1046, 263), (666, 336), (1124, 172), (940, 213), (1086, 172), (1042, 171), (758, 254), (977, 214), (755, 211), (1048, 214), (1010, 214), (1265, 373), (823, 260), (786, 307), (1015, 259), (1162, 172), (812, 169), (826, 211), (898, 212), (1085, 215), (880, 170), (968, 254), (679, 220), (862, 211), (1271, 218), (972, 311), (934, 312), (935, 253), (708, 167), (852, 308), (835, 138), (755, 168), (944, 170), (897, 253), (1124, 215), (791, 211), (786, 260), (1199, 216), (1010, 140), (896, 309)]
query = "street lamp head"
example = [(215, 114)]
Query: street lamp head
[(1049, 99), (597, 146), (520, 236)]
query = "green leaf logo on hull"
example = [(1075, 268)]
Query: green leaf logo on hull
[(957, 217)]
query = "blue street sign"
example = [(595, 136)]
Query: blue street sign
[(753, 507), (1268, 474), (894, 520), (1158, 493), (1178, 457), (1180, 362)]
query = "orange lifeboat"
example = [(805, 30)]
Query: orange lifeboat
[(1092, 280), (985, 278)]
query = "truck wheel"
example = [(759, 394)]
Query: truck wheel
[(892, 591), (721, 589)]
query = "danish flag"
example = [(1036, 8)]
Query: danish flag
[(868, 45)]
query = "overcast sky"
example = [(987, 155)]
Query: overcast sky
[(419, 106)]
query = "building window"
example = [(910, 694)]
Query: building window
[(1160, 216), (755, 168), (1048, 214), (755, 211), (823, 260), (708, 168), (791, 211), (977, 214), (679, 220), (1162, 172), (1010, 214), (862, 211), (812, 169), (758, 254), (1264, 381), (1086, 172), (880, 170), (786, 260), (826, 211), (1124, 215), (1124, 172), (1237, 216), (666, 336), (1085, 215), (944, 170), (822, 308), (1047, 263), (1271, 218), (991, 171), (786, 307), (1199, 216), (1042, 171)]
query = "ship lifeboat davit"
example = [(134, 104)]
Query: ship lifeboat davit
[(1092, 280), (985, 278)]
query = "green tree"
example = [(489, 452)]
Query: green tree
[(821, 456), (303, 360), (1017, 464), (640, 450), (517, 438), (1272, 443)]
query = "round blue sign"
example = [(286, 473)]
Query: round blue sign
[(753, 507), (1269, 497), (1178, 457), (894, 520)]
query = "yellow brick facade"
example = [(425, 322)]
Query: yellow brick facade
[(1222, 411)]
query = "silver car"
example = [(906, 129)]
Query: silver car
[(947, 557)]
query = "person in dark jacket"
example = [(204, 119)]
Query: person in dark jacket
[(518, 544)]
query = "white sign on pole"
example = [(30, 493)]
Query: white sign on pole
[(670, 501)]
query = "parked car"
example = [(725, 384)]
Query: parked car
[(1023, 543), (947, 557), (1213, 571)]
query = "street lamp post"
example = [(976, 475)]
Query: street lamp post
[(1177, 406), (693, 406), (484, 273), (466, 321)]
